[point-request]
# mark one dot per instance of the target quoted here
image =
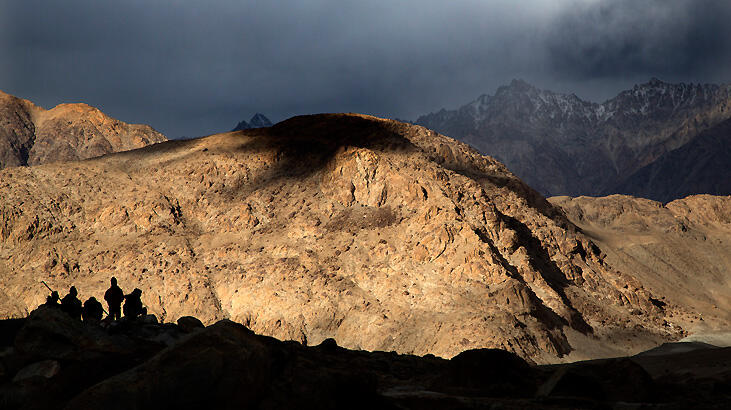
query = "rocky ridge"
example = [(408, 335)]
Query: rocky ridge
[(562, 145), (379, 234), (31, 135)]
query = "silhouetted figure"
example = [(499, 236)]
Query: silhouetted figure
[(52, 299), (114, 297), (92, 311), (71, 304), (133, 305)]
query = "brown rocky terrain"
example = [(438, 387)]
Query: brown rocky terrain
[(680, 251), (31, 135), (379, 234)]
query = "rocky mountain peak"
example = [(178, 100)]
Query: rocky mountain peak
[(379, 234), (31, 135), (656, 98), (654, 81), (242, 125), (526, 103), (257, 121), (517, 85)]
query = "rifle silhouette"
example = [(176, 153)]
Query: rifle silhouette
[(46, 285)]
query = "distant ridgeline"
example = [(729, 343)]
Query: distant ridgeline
[(658, 140), (257, 121)]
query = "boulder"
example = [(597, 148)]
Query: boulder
[(328, 345), (51, 334), (223, 366), (499, 372), (45, 368), (149, 319), (607, 380), (189, 324)]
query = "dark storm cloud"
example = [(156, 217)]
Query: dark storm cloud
[(196, 67), (673, 38), (190, 68)]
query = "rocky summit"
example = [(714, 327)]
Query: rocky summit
[(563, 145), (257, 121), (378, 234), (31, 135)]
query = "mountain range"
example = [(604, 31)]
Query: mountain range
[(380, 234), (631, 144)]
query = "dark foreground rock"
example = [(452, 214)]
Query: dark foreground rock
[(51, 361)]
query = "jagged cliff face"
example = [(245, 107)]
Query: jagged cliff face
[(30, 135), (562, 145), (382, 235)]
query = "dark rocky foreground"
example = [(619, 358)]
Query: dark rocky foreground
[(51, 361)]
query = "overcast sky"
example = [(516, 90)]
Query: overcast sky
[(191, 68)]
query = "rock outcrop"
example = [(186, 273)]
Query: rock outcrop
[(562, 145), (30, 135), (378, 234)]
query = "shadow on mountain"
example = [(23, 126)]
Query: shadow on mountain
[(305, 145), (542, 312), (551, 273)]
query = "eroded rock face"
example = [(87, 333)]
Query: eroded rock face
[(379, 234), (30, 135)]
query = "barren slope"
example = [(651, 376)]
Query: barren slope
[(383, 235), (30, 135), (681, 251)]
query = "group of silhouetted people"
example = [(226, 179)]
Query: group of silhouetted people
[(92, 310)]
